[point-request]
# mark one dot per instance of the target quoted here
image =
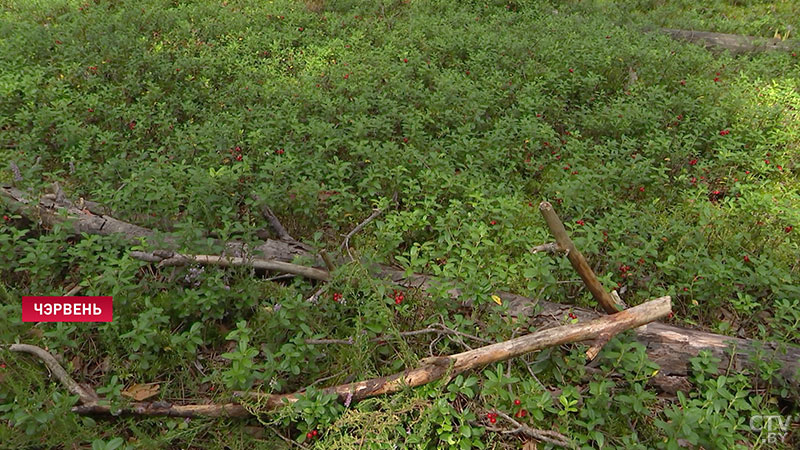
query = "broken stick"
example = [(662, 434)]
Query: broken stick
[(576, 258)]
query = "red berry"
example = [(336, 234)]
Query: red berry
[(641, 188), (398, 300), (405, 60), (492, 420), (580, 222), (300, 29), (693, 162), (494, 222), (571, 70), (683, 82), (314, 432), (238, 157), (716, 80), (6, 218), (746, 259), (517, 402), (2, 366), (309, 435), (785, 230)]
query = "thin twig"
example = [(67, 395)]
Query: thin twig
[(549, 436), (346, 243), (290, 441)]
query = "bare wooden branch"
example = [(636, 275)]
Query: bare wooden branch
[(736, 43), (346, 243), (231, 261), (576, 258), (86, 395), (432, 369), (549, 436)]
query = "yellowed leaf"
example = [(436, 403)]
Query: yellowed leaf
[(497, 300), (139, 392)]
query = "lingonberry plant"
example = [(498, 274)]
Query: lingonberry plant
[(674, 169)]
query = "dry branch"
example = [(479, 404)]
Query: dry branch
[(576, 258), (85, 395), (550, 436), (431, 369), (736, 43), (231, 261), (436, 368), (167, 409)]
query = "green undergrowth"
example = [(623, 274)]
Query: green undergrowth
[(673, 168)]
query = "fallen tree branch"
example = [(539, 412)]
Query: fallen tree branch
[(736, 43), (671, 347), (432, 369), (232, 261), (167, 409), (549, 436), (576, 258), (85, 395), (56, 209)]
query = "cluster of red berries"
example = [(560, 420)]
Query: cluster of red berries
[(312, 434), (492, 417), (572, 316), (236, 152), (724, 132), (580, 222), (693, 162), (279, 151), (398, 297), (785, 230), (337, 297), (93, 69)]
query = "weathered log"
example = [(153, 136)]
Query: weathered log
[(55, 209), (736, 43), (167, 409)]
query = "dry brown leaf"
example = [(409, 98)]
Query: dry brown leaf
[(529, 445), (139, 392)]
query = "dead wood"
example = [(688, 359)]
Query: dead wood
[(668, 346), (57, 209), (231, 261), (576, 258), (736, 43), (432, 369), (85, 395)]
